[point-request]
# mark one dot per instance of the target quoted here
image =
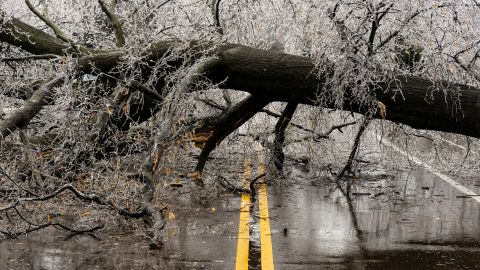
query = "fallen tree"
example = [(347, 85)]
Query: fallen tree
[(268, 76), (273, 76)]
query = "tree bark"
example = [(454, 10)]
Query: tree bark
[(15, 32), (229, 122), (276, 76), (282, 77), (22, 116), (280, 127)]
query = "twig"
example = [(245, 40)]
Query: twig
[(91, 197), (465, 68), (395, 33), (54, 224), (231, 187), (156, 8), (332, 128), (253, 181), (217, 17), (2, 172), (29, 57)]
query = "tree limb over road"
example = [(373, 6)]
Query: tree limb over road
[(276, 76)]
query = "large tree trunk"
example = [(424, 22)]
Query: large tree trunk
[(282, 77), (275, 76)]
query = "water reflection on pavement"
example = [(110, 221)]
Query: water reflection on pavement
[(410, 221)]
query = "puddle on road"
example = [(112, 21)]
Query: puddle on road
[(411, 221), (205, 238)]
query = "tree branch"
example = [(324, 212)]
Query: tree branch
[(375, 24), (218, 25), (52, 224), (147, 91), (116, 25), (332, 128), (29, 57), (29, 38), (317, 136), (58, 32), (396, 32), (280, 127), (4, 173), (356, 144), (22, 116)]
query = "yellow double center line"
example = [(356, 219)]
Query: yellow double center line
[(244, 224)]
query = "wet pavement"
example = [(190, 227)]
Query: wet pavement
[(412, 220)]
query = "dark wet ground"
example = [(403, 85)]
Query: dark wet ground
[(409, 221)]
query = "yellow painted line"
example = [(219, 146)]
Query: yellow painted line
[(265, 234), (244, 223), (243, 234)]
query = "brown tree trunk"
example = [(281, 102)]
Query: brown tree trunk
[(282, 77), (229, 122), (280, 127)]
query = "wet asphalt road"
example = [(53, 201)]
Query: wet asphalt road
[(410, 221), (413, 221)]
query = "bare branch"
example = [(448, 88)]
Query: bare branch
[(396, 32), (333, 128), (317, 135), (375, 24), (2, 172), (52, 224), (466, 68), (90, 197), (116, 25), (22, 116), (216, 11), (58, 32), (356, 143), (29, 57), (147, 91)]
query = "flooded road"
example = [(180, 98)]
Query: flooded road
[(412, 220)]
